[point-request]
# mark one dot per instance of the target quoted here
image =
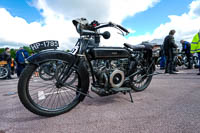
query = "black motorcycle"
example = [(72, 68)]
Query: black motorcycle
[(112, 69)]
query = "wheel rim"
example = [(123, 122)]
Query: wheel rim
[(48, 95), (141, 81), (3, 72)]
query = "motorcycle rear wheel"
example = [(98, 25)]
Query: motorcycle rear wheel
[(141, 81)]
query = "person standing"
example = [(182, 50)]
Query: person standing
[(6, 57), (169, 44), (21, 56), (195, 47), (186, 50)]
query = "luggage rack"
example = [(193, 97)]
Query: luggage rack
[(2, 63)]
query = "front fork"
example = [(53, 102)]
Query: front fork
[(67, 71)]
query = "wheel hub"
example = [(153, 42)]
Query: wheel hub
[(59, 85)]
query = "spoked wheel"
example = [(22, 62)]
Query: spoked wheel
[(185, 62), (48, 97), (141, 80), (3, 72), (196, 62), (158, 62)]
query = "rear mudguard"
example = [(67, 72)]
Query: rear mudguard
[(62, 55)]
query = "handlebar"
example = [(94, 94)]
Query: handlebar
[(122, 28), (95, 28), (110, 24)]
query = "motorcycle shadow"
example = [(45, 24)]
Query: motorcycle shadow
[(101, 101), (20, 117)]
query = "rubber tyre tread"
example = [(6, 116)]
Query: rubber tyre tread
[(136, 89), (22, 92)]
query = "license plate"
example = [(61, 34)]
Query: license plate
[(43, 45)]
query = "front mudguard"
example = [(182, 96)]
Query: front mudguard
[(50, 55), (62, 55)]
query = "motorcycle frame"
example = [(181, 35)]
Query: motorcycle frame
[(80, 52)]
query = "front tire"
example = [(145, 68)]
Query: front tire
[(45, 97)]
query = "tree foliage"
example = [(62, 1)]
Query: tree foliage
[(28, 49), (13, 51)]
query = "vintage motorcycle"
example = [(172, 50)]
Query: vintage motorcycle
[(181, 60), (112, 70)]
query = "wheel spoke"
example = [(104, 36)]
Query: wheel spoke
[(46, 94), (140, 80)]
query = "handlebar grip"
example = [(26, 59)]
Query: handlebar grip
[(122, 28)]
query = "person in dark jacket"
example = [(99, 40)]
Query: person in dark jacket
[(21, 56), (6, 57), (186, 49), (169, 44)]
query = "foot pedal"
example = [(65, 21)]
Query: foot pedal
[(122, 89), (100, 91)]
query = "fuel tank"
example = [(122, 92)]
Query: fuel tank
[(108, 53)]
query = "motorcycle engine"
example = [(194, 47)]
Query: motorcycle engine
[(111, 74), (116, 78)]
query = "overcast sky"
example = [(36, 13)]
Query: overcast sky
[(23, 22)]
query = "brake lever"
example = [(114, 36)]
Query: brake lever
[(122, 33)]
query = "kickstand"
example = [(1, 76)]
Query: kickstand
[(130, 96)]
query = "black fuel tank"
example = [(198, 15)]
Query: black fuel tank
[(109, 52)]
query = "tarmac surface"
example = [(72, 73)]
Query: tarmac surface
[(171, 104)]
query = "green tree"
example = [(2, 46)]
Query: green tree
[(28, 49), (1, 50), (13, 53)]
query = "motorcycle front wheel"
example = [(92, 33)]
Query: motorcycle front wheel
[(48, 97)]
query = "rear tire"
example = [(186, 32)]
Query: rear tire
[(140, 84)]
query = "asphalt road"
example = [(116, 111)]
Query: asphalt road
[(171, 104)]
